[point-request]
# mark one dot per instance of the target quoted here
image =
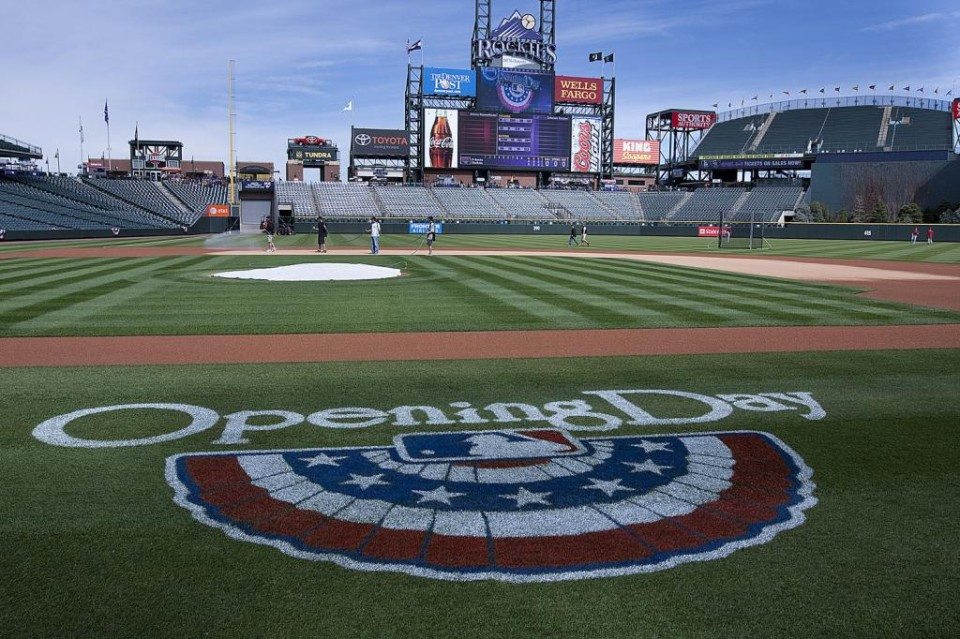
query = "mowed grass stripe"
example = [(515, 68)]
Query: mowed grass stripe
[(18, 308), (798, 296), (29, 277), (505, 291), (602, 310), (484, 302), (70, 314), (65, 273), (752, 309)]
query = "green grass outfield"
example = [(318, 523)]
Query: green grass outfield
[(179, 295), (942, 252), (93, 544)]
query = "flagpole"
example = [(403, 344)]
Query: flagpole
[(80, 120), (58, 161)]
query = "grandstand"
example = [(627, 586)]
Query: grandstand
[(706, 204), (409, 202), (623, 204), (348, 201), (578, 204), (299, 196), (197, 197), (468, 203), (150, 196), (521, 204)]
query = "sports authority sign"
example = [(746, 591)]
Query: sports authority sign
[(568, 90), (693, 120), (636, 152), (528, 502), (585, 145)]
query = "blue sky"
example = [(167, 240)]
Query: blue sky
[(163, 63)]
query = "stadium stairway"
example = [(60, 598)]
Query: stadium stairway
[(762, 131), (679, 205), (738, 205), (184, 209), (884, 127)]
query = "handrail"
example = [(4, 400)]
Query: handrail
[(31, 148), (824, 102)]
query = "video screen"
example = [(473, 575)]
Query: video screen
[(535, 142), (514, 91)]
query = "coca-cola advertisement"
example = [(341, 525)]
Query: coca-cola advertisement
[(585, 145), (693, 120), (442, 140)]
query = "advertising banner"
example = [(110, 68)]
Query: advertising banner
[(421, 228), (457, 83), (762, 162), (380, 143), (218, 210), (568, 90), (585, 145), (536, 142), (442, 140), (693, 120), (514, 91), (313, 156), (636, 152), (712, 231), (956, 109)]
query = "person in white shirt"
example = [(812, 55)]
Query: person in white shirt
[(431, 234), (374, 235)]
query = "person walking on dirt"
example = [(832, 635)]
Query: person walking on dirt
[(929, 235), (321, 235), (583, 236), (573, 236)]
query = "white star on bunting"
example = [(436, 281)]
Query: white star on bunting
[(648, 466), (524, 497), (607, 487), (365, 482), (650, 447), (440, 495), (322, 460)]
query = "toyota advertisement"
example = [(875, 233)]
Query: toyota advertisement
[(569, 90), (514, 91), (534, 142), (585, 145), (379, 143), (455, 83), (693, 120), (636, 152)]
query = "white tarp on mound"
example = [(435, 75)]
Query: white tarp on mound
[(314, 273)]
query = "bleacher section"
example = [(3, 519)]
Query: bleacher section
[(918, 129), (656, 206), (350, 201), (468, 203), (846, 129), (408, 202), (299, 195), (579, 204), (521, 204), (146, 195), (706, 204), (196, 196), (623, 204), (767, 203)]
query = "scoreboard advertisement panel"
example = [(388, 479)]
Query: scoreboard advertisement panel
[(532, 142), (639, 152), (514, 91), (458, 83), (585, 145)]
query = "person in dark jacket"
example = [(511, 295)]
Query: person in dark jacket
[(322, 235)]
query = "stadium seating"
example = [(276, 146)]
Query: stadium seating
[(766, 203), (731, 137), (579, 204), (918, 129), (147, 195), (522, 204), (623, 204), (793, 131), (657, 205), (851, 129), (350, 201), (197, 197), (300, 196), (408, 202), (706, 204), (468, 204)]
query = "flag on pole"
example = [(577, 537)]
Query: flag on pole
[(920, 90), (823, 89), (893, 87), (416, 46), (348, 107), (950, 92), (873, 87), (856, 88), (837, 89), (81, 131), (755, 98), (786, 93), (106, 112), (936, 91), (56, 156), (906, 88), (596, 57), (136, 136), (803, 91), (716, 105), (609, 58)]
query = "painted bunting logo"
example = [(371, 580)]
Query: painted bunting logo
[(509, 505)]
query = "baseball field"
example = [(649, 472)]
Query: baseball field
[(647, 437)]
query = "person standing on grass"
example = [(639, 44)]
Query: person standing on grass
[(573, 236), (374, 235), (271, 247), (583, 236), (431, 234), (914, 234), (929, 235), (321, 235)]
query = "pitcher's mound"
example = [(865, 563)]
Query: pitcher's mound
[(314, 273)]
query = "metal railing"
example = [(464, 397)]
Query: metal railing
[(14, 141), (825, 102)]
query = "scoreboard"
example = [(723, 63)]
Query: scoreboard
[(532, 142)]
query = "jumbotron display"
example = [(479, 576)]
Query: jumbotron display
[(489, 140)]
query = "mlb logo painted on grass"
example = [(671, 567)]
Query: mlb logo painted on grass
[(520, 506)]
